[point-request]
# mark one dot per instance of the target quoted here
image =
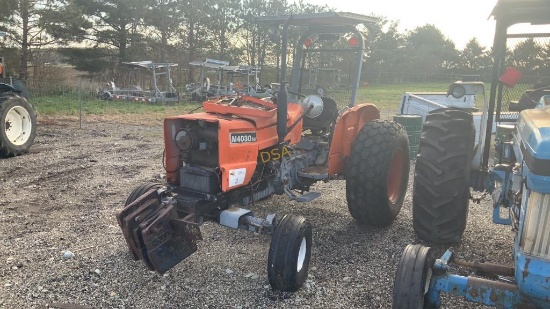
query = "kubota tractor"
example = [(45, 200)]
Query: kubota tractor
[(244, 149), (452, 159)]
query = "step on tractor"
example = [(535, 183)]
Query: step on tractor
[(512, 165), (244, 149), (17, 118)]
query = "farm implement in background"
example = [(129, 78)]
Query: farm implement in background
[(136, 93)]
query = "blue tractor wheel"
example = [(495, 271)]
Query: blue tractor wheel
[(412, 279)]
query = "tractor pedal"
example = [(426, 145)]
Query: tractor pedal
[(308, 197), (314, 172)]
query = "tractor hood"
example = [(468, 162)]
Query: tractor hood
[(228, 137), (534, 133), (260, 111)]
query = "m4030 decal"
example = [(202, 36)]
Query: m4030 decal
[(239, 138)]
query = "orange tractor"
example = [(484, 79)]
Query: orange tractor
[(243, 149)]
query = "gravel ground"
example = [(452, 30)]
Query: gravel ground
[(64, 194)]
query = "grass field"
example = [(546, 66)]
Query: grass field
[(386, 97)]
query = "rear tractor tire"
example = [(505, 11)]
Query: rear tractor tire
[(377, 173), (442, 176), (412, 279), (17, 125), (289, 254)]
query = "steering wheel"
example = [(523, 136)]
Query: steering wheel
[(274, 95), (300, 95)]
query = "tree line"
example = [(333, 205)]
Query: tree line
[(96, 35)]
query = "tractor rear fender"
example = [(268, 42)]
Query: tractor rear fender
[(7, 88), (344, 134)]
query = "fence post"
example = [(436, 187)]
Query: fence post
[(80, 101)]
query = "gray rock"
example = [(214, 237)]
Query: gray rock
[(68, 255)]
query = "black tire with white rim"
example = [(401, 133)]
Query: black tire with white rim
[(289, 253), (412, 279), (17, 125)]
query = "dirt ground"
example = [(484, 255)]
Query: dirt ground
[(64, 195)]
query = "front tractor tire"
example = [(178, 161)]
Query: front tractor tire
[(17, 125), (134, 195), (377, 173), (442, 175), (412, 278), (140, 190), (289, 254)]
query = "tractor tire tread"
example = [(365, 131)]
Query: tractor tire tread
[(441, 181), (367, 172), (410, 278), (285, 243), (140, 190)]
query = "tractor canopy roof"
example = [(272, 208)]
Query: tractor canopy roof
[(319, 19), (149, 65), (510, 12)]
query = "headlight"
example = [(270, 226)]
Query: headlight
[(184, 140)]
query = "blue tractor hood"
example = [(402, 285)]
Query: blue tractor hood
[(534, 134)]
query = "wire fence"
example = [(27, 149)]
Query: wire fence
[(91, 86), (80, 91), (83, 90), (409, 77)]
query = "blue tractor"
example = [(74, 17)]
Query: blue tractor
[(514, 169)]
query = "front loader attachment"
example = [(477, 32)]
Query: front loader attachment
[(155, 233)]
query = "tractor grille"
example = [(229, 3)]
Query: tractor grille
[(535, 240)]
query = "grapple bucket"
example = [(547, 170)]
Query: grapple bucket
[(155, 233)]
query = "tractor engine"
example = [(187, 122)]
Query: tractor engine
[(217, 159), (198, 143), (199, 171)]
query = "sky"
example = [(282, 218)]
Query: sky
[(459, 21)]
